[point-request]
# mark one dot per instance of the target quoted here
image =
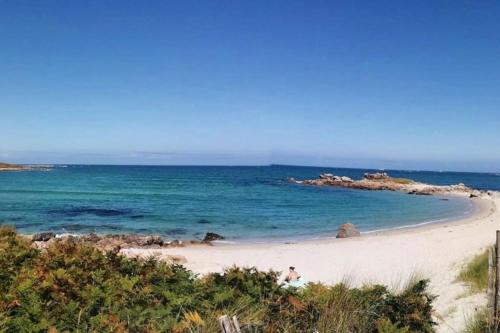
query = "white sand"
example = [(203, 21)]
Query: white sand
[(433, 251)]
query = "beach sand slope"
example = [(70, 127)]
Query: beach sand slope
[(435, 251)]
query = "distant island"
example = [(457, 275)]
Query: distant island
[(13, 167)]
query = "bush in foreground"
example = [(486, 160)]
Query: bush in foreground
[(73, 287)]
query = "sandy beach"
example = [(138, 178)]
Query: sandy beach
[(434, 251)]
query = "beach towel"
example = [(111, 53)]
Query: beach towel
[(299, 283)]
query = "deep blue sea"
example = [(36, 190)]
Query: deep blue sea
[(241, 203)]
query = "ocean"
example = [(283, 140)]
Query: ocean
[(241, 203)]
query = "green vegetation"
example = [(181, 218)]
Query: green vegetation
[(478, 323), (402, 181), (475, 272), (71, 287)]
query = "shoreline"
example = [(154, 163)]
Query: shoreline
[(435, 251), (430, 249), (480, 209), (475, 207)]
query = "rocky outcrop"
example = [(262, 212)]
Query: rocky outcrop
[(110, 241), (117, 242), (43, 236), (347, 230), (212, 236), (382, 181)]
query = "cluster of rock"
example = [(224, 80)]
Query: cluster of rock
[(376, 176), (118, 242), (382, 181), (329, 176), (370, 182)]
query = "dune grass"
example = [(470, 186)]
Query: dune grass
[(477, 323), (475, 272), (72, 287)]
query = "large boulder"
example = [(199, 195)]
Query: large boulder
[(153, 240), (212, 236), (43, 236), (347, 230)]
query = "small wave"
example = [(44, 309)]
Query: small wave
[(408, 226), (224, 242), (67, 234), (420, 224)]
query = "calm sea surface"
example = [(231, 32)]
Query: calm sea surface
[(241, 203)]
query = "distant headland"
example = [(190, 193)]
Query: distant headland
[(13, 167), (16, 167)]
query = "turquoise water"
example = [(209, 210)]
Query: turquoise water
[(241, 203)]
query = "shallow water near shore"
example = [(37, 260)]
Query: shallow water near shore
[(241, 203)]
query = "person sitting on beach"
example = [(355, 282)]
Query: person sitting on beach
[(292, 275)]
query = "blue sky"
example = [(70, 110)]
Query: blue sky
[(384, 84)]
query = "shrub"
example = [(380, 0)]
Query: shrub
[(74, 287)]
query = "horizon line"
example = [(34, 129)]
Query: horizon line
[(253, 165)]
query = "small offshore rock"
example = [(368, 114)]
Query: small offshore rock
[(347, 230), (43, 236), (212, 236)]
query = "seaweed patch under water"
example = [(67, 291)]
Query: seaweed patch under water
[(176, 231), (78, 211), (88, 227)]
